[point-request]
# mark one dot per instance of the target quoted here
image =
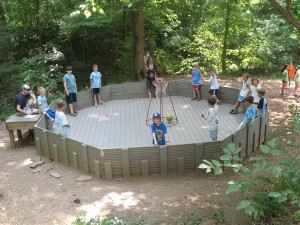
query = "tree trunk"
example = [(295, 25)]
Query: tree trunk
[(2, 17), (137, 29), (224, 52), (286, 14)]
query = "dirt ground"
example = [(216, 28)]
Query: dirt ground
[(38, 198)]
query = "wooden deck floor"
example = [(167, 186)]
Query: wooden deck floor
[(122, 123)]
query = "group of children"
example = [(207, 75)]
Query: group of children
[(290, 73)]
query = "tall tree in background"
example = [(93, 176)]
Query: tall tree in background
[(225, 40), (137, 29), (287, 14)]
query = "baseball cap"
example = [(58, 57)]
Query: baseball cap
[(156, 115), (25, 86)]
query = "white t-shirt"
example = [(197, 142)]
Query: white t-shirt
[(254, 93), (245, 90), (212, 118), (297, 76), (214, 82), (59, 123)]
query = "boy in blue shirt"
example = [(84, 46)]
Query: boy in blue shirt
[(262, 104), (197, 82), (250, 113), (96, 84), (159, 131), (70, 87)]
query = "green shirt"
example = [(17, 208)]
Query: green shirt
[(285, 76)]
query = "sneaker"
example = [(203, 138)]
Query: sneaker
[(50, 129), (219, 102), (231, 111), (102, 103), (96, 105), (73, 114), (199, 99), (235, 111), (193, 99)]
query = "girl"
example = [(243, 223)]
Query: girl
[(254, 87), (284, 78), (297, 81)]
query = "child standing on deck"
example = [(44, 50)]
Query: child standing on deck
[(197, 82), (151, 76), (212, 118), (214, 86), (61, 125), (245, 91), (254, 87), (250, 113), (70, 87), (43, 108), (159, 131), (96, 84)]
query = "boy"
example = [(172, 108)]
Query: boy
[(70, 89), (214, 86), (159, 131), (43, 108), (151, 76), (250, 113), (262, 104), (61, 125), (96, 84), (212, 118), (197, 82), (25, 101), (245, 91)]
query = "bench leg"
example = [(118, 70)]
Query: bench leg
[(12, 138), (20, 137)]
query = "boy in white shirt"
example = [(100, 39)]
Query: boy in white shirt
[(212, 118)]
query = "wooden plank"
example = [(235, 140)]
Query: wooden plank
[(38, 146), (108, 171), (125, 163), (97, 169), (145, 168), (55, 151), (181, 168), (65, 150), (75, 160), (85, 158), (163, 160)]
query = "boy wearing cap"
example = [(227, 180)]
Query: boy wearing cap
[(262, 104), (70, 87), (159, 131), (22, 100)]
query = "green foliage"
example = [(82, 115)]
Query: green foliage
[(271, 190), (193, 219)]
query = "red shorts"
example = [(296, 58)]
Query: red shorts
[(196, 86)]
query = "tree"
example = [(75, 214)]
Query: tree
[(287, 14)]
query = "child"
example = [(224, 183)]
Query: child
[(96, 84), (197, 82), (214, 86), (284, 78), (262, 105), (254, 87), (43, 108), (159, 131), (151, 76), (297, 81), (70, 89), (61, 125), (250, 113), (291, 71), (212, 118), (245, 91)]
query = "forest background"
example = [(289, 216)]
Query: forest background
[(38, 38)]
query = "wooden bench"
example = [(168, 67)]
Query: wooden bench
[(16, 122)]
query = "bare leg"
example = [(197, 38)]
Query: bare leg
[(71, 108), (198, 93), (283, 87), (237, 105)]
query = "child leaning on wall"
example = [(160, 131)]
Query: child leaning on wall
[(159, 131), (212, 118), (250, 113), (61, 125), (245, 91), (43, 108)]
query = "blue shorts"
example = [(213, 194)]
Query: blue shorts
[(241, 98), (50, 113), (213, 133)]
